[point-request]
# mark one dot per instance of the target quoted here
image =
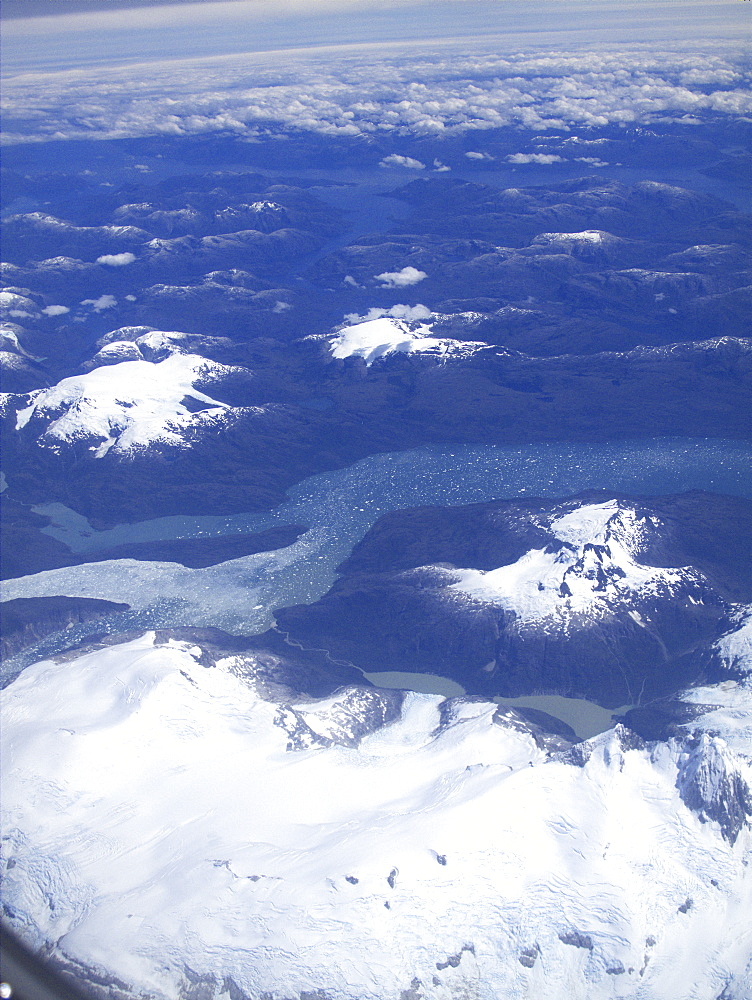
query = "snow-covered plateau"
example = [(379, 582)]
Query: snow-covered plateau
[(170, 823), (128, 405), (375, 338)]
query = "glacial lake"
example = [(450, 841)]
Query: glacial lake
[(585, 717), (338, 508)]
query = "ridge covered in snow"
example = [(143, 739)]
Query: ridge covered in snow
[(725, 708), (586, 236), (353, 847), (375, 338), (592, 562), (126, 406)]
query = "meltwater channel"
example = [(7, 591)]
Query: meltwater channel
[(338, 508)]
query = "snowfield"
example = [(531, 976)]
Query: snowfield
[(168, 810), (595, 566), (376, 338), (126, 406), (729, 704)]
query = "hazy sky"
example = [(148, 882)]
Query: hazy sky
[(62, 34)]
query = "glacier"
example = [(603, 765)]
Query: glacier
[(128, 405), (596, 565), (375, 338), (168, 822)]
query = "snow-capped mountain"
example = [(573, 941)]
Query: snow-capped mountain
[(589, 567), (614, 599), (263, 215), (368, 845), (127, 405), (137, 343), (41, 236), (375, 338)]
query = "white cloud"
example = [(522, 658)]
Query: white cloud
[(395, 160), (411, 314), (103, 302), (535, 158), (593, 161), (472, 155), (439, 167), (401, 279), (280, 307), (55, 310), (116, 259)]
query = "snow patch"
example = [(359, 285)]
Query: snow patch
[(586, 236), (265, 206), (728, 704), (17, 305), (735, 648)]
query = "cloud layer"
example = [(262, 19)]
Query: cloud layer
[(371, 92)]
